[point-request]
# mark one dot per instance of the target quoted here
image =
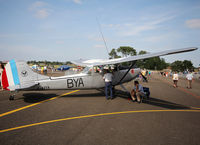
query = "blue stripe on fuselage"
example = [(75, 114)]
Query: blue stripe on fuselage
[(14, 72)]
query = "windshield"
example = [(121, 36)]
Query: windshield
[(87, 70)]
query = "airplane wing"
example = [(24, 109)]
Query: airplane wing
[(98, 62)]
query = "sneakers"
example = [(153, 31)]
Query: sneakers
[(135, 100)]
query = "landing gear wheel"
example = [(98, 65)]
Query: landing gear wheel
[(11, 97)]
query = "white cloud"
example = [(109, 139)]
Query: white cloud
[(40, 9), (143, 24), (162, 38), (147, 25), (136, 29), (161, 19), (37, 5), (42, 13), (77, 1), (193, 23)]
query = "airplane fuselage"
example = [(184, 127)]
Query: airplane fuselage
[(85, 81)]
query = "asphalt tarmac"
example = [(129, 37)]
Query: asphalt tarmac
[(85, 117)]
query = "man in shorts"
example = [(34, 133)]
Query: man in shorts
[(175, 79), (189, 77), (137, 92)]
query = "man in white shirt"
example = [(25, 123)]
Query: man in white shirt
[(175, 79), (45, 69), (189, 77), (137, 92), (108, 84)]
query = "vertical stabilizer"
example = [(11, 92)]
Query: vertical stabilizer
[(18, 75)]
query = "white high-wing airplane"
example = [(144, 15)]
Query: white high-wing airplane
[(17, 75)]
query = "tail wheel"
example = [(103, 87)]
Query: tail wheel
[(11, 97)]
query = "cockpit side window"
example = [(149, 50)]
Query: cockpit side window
[(97, 69), (91, 69)]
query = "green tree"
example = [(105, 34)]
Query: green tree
[(177, 66), (151, 63), (181, 66), (142, 52), (113, 54), (155, 63), (68, 63), (126, 51), (141, 63), (187, 65)]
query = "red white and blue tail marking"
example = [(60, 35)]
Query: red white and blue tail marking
[(10, 77)]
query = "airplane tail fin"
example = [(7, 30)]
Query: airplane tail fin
[(18, 75)]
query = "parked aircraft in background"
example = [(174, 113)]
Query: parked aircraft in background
[(64, 67)]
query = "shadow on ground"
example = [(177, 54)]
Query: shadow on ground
[(97, 94), (164, 104), (37, 97), (152, 101)]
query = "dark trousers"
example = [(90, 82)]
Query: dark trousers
[(108, 86)]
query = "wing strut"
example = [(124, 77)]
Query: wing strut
[(132, 64)]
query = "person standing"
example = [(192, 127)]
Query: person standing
[(108, 83), (175, 79), (166, 74), (45, 69), (189, 77), (149, 73)]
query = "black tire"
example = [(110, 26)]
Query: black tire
[(11, 97)]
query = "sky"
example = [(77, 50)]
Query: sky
[(64, 30)]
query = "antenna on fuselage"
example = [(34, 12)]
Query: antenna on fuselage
[(102, 36)]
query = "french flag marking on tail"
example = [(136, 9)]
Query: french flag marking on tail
[(10, 77)]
